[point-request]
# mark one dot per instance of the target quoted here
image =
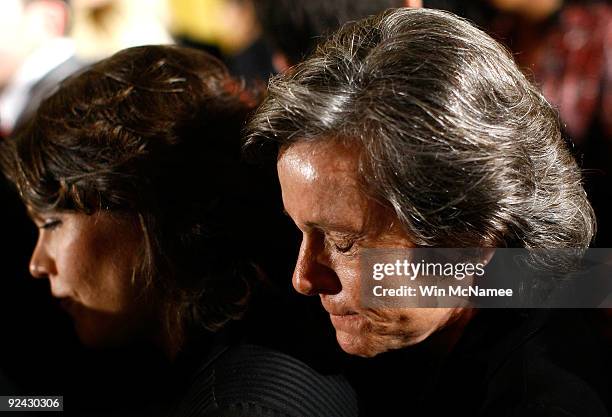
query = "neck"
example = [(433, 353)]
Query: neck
[(168, 335), (445, 339), (170, 346)]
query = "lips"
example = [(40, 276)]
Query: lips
[(340, 312), (342, 317), (336, 310), (348, 323)]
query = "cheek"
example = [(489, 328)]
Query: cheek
[(100, 275), (75, 263), (349, 274), (378, 332), (404, 327)]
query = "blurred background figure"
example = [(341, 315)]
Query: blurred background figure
[(35, 54), (44, 41), (566, 46), (257, 38), (294, 28), (228, 29), (227, 26), (103, 27)]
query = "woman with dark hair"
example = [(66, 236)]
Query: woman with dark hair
[(151, 227)]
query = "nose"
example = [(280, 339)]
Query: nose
[(312, 275), (42, 264)]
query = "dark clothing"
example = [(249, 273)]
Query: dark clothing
[(6, 386), (267, 364), (507, 363), (251, 381), (245, 380)]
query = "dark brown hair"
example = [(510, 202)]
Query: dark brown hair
[(154, 132)]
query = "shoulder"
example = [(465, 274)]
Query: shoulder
[(251, 380), (537, 387), (548, 373)]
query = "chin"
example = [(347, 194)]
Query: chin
[(358, 345), (367, 345)]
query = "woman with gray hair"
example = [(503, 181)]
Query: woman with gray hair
[(415, 129)]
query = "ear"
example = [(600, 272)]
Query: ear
[(415, 4)]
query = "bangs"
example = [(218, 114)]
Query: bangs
[(40, 169)]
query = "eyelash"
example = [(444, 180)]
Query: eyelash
[(50, 224), (344, 249), (344, 246)]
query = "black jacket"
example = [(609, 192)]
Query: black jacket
[(507, 363), (245, 380)]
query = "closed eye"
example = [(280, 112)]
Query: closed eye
[(344, 247), (50, 224), (344, 244)]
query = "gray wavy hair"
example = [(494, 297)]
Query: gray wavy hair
[(453, 137)]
